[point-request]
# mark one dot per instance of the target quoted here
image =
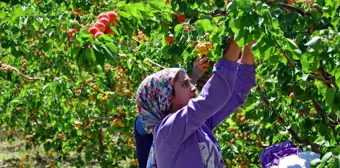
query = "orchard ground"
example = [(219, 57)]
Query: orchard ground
[(14, 154)]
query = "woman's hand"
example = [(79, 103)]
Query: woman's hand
[(202, 64), (247, 55), (233, 51)]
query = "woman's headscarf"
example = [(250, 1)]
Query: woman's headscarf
[(271, 156), (154, 97)]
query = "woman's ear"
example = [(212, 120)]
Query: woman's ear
[(171, 97), (172, 81)]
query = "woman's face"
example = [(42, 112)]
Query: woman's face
[(184, 90)]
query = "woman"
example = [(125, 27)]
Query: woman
[(144, 140), (181, 122)]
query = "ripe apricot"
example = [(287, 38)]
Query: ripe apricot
[(98, 34), (93, 30), (109, 31), (105, 21), (169, 39), (103, 15), (101, 26), (112, 16), (292, 95)]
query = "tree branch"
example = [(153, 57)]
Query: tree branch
[(291, 8), (154, 63), (315, 147), (325, 77), (109, 81), (319, 110), (100, 143), (5, 66), (108, 118), (219, 13), (327, 82), (290, 61), (146, 59)]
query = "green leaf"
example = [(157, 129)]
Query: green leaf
[(337, 77), (235, 25), (305, 77), (260, 20), (219, 3), (75, 53), (234, 148), (309, 62), (330, 96), (315, 162), (335, 22), (232, 8), (105, 38), (330, 9), (133, 11), (296, 52), (123, 14), (121, 4), (81, 58), (206, 24), (326, 156), (47, 45), (183, 7), (313, 41), (256, 51), (99, 57), (17, 11), (244, 4), (139, 6), (276, 24), (108, 51), (36, 25), (156, 5), (79, 132), (336, 162), (112, 47), (2, 4), (178, 29), (90, 56), (337, 128)]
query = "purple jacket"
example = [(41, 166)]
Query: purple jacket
[(185, 139)]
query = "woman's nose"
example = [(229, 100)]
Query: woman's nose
[(193, 88)]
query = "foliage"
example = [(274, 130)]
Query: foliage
[(70, 92)]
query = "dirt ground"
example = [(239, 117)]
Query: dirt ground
[(14, 154)]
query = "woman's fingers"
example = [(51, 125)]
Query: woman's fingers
[(197, 60), (203, 60), (203, 64), (205, 69)]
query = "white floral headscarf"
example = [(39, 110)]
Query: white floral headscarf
[(154, 97)]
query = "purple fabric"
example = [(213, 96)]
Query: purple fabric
[(272, 155)]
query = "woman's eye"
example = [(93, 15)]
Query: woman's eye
[(185, 84)]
